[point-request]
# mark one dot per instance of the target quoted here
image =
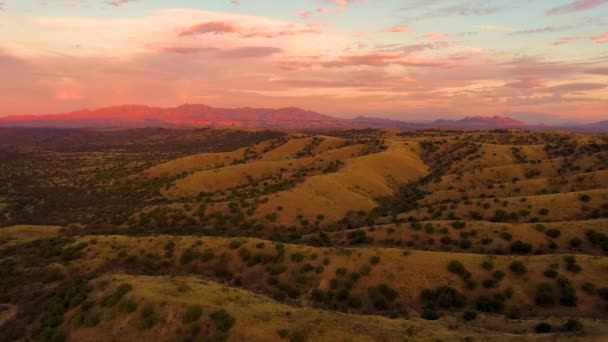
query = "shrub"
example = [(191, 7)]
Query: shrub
[(490, 283), (459, 224), (572, 325), (521, 247), (490, 304), (149, 316), (244, 253), (553, 233), (543, 211), (568, 296), (542, 328), (585, 198), (374, 259), (458, 268), (588, 287), (223, 323), (444, 296), (127, 306), (297, 257), (429, 314), (112, 299), (387, 291), (518, 267), (234, 244), (506, 236), (576, 242), (207, 255), (487, 265), (603, 293), (188, 256), (192, 314), (544, 294), (498, 274), (317, 295), (469, 315), (357, 237), (550, 273)]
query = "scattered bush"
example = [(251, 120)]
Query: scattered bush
[(553, 233), (430, 315), (469, 315), (518, 268), (572, 325), (192, 314), (544, 294), (543, 328)]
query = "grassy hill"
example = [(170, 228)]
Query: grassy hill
[(359, 235)]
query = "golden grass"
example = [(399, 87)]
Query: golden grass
[(19, 234), (258, 318)]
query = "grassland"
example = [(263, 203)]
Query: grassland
[(349, 235)]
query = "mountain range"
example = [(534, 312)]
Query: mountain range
[(199, 115)]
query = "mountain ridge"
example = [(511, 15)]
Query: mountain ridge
[(200, 115)]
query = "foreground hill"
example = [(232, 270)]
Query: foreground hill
[(231, 235)]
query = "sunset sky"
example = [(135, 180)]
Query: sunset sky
[(535, 60)]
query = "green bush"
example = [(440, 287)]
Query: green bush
[(550, 273), (544, 294), (112, 299), (374, 259), (568, 296), (572, 325), (445, 297), (490, 303), (149, 316), (469, 315), (542, 328), (192, 314), (520, 247), (189, 255), (553, 233), (430, 315), (518, 267), (458, 268), (223, 323), (127, 305), (207, 255)]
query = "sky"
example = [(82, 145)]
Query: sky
[(541, 61)]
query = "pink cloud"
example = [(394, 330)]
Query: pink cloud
[(117, 3), (380, 58), (434, 35), (398, 29), (220, 28), (304, 14), (576, 6), (566, 40), (179, 49), (526, 83), (211, 27), (600, 39)]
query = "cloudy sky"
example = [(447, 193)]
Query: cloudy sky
[(537, 60)]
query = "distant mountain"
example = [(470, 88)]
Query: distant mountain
[(601, 124), (196, 115), (189, 115), (480, 122)]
